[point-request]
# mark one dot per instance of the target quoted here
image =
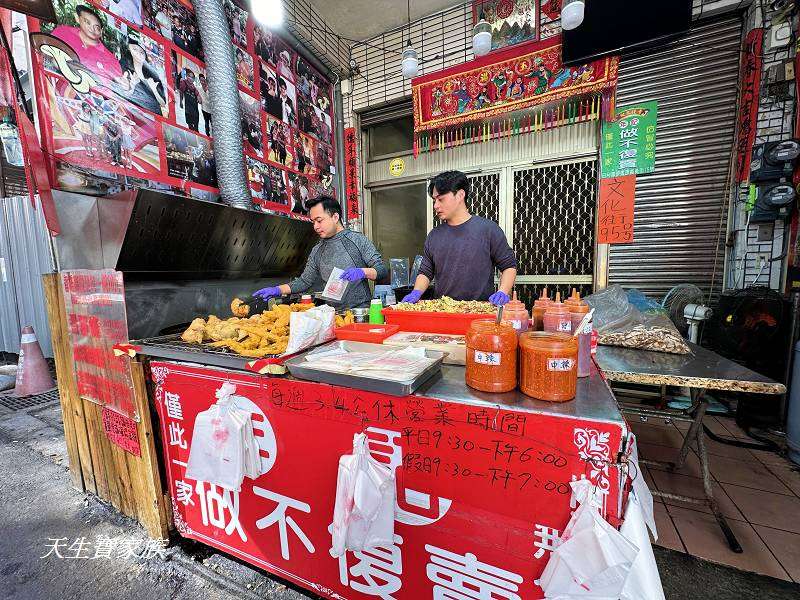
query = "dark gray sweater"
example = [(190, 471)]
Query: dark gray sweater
[(462, 258), (344, 250)]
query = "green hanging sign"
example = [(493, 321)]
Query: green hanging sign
[(629, 143)]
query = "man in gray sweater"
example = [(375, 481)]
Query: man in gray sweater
[(338, 247), (462, 253)]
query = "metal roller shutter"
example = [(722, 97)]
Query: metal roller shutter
[(681, 213)]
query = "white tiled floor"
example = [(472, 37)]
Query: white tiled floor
[(758, 491)]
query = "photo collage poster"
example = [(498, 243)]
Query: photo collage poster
[(124, 101)]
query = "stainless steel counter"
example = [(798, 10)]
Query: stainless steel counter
[(702, 369), (594, 400)]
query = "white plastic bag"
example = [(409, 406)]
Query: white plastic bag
[(644, 582), (224, 449), (640, 489), (310, 328), (363, 516), (593, 559), (335, 287)]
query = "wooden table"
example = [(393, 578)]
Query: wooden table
[(699, 371)]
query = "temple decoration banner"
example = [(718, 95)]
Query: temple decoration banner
[(508, 81)]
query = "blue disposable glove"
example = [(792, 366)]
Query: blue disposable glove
[(353, 274), (413, 297), (268, 292), (499, 298)]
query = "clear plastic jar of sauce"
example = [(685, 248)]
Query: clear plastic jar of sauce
[(548, 366), (491, 356)]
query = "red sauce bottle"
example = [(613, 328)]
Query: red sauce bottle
[(557, 318), (516, 314), (537, 313)]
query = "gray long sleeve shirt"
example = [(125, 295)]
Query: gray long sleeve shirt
[(344, 250), (462, 258)]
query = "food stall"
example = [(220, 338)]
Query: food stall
[(482, 479)]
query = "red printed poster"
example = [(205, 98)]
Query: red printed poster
[(351, 172), (482, 493), (615, 210), (121, 431), (132, 107), (95, 307)]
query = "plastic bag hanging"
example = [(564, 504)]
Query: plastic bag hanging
[(224, 449), (593, 559), (363, 516)]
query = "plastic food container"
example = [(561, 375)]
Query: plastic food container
[(491, 356), (516, 314), (537, 312), (366, 332), (557, 318), (548, 366), (432, 322)]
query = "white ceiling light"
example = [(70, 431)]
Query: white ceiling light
[(268, 12), (572, 13), (410, 62), (481, 37)]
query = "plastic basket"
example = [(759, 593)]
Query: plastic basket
[(366, 332), (432, 322)]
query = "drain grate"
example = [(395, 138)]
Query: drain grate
[(14, 403)]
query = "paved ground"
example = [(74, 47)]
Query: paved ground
[(37, 505)]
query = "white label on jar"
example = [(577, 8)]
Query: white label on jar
[(487, 358), (565, 326), (560, 364), (587, 328), (516, 324)]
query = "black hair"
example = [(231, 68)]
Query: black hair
[(449, 181), (329, 205), (282, 82), (82, 8), (126, 62)]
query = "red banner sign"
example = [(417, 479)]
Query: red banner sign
[(615, 210), (747, 120), (482, 493), (501, 82), (351, 172)]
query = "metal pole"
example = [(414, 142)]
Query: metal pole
[(338, 107), (787, 375)]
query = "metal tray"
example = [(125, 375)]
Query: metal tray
[(299, 367), (172, 347)]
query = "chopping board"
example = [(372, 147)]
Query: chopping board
[(454, 346)]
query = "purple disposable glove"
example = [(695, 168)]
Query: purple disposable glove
[(499, 298), (413, 297), (268, 292), (353, 274)]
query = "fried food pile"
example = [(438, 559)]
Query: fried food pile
[(447, 305), (345, 319), (261, 335)]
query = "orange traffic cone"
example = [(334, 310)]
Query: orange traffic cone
[(33, 376)]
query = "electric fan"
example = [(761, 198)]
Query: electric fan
[(684, 305)]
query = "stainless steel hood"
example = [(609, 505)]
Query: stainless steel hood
[(180, 257), (155, 236)]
